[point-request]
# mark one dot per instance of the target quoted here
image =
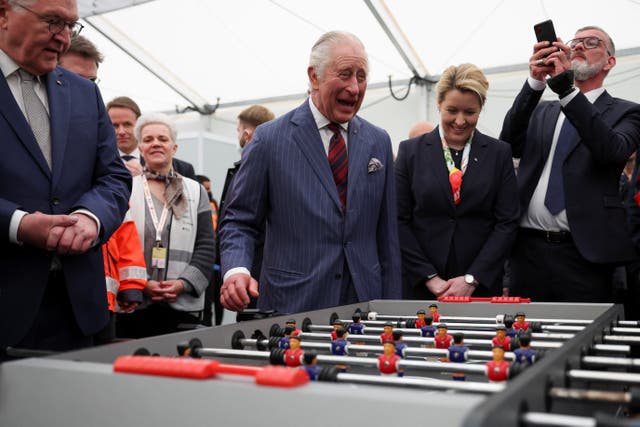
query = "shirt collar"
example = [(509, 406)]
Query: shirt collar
[(322, 121), (135, 153), (7, 64), (594, 94)]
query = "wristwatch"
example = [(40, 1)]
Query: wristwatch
[(470, 280)]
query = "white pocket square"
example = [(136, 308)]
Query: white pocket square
[(374, 165)]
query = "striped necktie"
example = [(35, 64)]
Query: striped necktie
[(339, 162)]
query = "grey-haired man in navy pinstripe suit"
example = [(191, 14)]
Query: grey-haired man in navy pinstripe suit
[(322, 249)]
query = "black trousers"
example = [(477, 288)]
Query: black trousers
[(55, 327), (552, 269)]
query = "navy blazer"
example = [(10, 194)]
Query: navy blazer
[(285, 182), (87, 173), (481, 228), (609, 132)]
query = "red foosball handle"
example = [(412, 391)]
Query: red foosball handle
[(276, 376), (166, 366), (493, 300)]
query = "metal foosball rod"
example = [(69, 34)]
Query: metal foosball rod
[(452, 330), (293, 357), (610, 362), (341, 360), (423, 383), (372, 315), (358, 348), (629, 398), (428, 341), (557, 420), (467, 325)]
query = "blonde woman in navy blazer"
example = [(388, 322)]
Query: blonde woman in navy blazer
[(455, 238)]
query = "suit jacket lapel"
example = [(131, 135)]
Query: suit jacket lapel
[(307, 137), (434, 160), (476, 157), (59, 110), (17, 121), (359, 154)]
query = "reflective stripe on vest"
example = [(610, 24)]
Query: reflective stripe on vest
[(133, 272)]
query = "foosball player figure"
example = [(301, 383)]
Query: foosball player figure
[(508, 323), (401, 346), (458, 353), (501, 339), (310, 360), (387, 335), (292, 323), (421, 314), (340, 347), (356, 327), (428, 330), (433, 312), (524, 353), (498, 368), (520, 324), (284, 341), (442, 338), (337, 324), (388, 361), (293, 355)]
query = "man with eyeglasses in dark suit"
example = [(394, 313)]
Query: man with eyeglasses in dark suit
[(573, 228), (63, 187)]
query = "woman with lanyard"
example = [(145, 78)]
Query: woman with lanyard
[(457, 197), (173, 219)]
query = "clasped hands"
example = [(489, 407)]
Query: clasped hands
[(455, 286), (166, 290), (64, 234)]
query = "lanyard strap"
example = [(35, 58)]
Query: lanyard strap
[(158, 225), (449, 159), (455, 174)]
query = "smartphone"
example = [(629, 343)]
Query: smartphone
[(545, 31)]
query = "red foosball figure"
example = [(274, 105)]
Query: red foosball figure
[(520, 324), (501, 339), (442, 338), (337, 324), (498, 368), (433, 312), (387, 335), (293, 356), (420, 322), (388, 361), (292, 324)]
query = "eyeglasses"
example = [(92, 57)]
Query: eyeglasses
[(57, 24), (588, 43)]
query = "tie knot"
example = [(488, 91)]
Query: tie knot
[(127, 157), (26, 76), (334, 127)]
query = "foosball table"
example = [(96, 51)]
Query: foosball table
[(583, 373)]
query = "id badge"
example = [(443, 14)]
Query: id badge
[(159, 257)]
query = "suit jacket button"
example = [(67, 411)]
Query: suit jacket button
[(338, 276), (55, 201)]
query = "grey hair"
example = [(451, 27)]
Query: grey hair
[(611, 47), (321, 50), (155, 119)]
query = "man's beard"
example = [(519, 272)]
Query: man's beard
[(584, 71)]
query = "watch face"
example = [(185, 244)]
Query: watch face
[(469, 279)]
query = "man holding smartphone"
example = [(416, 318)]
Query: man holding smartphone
[(572, 151)]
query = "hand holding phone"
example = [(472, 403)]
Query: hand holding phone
[(545, 32)]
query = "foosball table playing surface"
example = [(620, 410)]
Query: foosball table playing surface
[(583, 371)]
